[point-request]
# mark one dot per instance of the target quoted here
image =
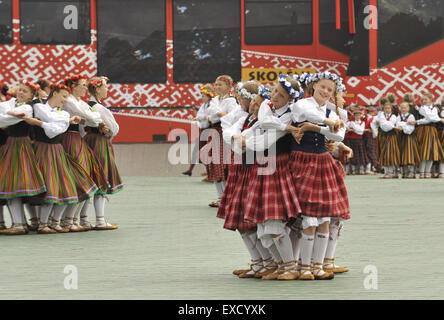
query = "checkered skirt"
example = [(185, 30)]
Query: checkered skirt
[(234, 199), (370, 149), (319, 184), (214, 152), (359, 154), (272, 195)]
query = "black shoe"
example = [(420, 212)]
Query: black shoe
[(187, 173)]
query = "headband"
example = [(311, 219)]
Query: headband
[(30, 84), (60, 86), (264, 92), (98, 83), (315, 77), (290, 90), (205, 91), (75, 77)]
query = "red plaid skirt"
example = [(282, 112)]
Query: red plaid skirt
[(234, 199), (320, 185), (359, 154), (370, 149), (212, 151), (272, 196)]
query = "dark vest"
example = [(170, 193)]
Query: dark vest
[(40, 135), (92, 129), (251, 154), (20, 129), (283, 144), (3, 137), (311, 142)]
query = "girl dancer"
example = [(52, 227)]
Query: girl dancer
[(19, 175), (207, 93), (99, 139), (65, 179), (388, 149), (320, 185), (272, 200), (77, 148), (370, 134), (408, 143), (430, 148), (356, 131), (234, 198), (220, 106)]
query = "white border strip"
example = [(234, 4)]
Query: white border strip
[(153, 117)]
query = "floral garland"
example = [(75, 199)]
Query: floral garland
[(315, 77), (245, 94), (290, 90), (205, 91), (98, 83), (264, 92), (60, 86), (30, 84), (302, 78), (75, 77)]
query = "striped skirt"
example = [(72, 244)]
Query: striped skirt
[(409, 149), (359, 152), (19, 173), (77, 148), (320, 185), (272, 194), (66, 181), (389, 153), (370, 149), (104, 152), (213, 152), (430, 145), (234, 199)]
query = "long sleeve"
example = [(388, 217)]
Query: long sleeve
[(268, 121), (359, 128), (338, 136), (234, 129), (307, 110), (387, 125), (406, 128), (374, 127), (430, 116), (213, 109), (108, 119), (54, 123), (262, 142), (80, 108), (231, 118), (7, 120)]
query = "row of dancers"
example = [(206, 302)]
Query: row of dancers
[(56, 154), (285, 194), (405, 136)]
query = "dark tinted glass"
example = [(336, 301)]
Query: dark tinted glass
[(206, 40), (55, 22), (131, 40), (359, 64), (278, 22), (406, 26), (6, 21)]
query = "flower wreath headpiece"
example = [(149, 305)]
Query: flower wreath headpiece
[(290, 90)]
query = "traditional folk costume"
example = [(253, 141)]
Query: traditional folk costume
[(272, 199), (359, 159), (430, 147), (104, 152), (440, 128), (3, 138), (408, 145), (77, 148), (320, 184), (20, 177), (215, 146), (388, 145), (66, 181), (370, 134)]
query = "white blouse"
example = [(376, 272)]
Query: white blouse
[(55, 121), (406, 128), (229, 119), (357, 126), (202, 115), (217, 105), (7, 120), (107, 117), (430, 114), (384, 124), (80, 108)]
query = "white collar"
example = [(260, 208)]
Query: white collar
[(282, 110)]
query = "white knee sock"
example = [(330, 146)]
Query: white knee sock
[(307, 243), (223, 183), (16, 209), (254, 253), (275, 253), (368, 168), (422, 166), (319, 247), (441, 168), (58, 211), (428, 166), (332, 241), (31, 210), (99, 207), (84, 211), (283, 244), (265, 254), (45, 211), (219, 189), (296, 244)]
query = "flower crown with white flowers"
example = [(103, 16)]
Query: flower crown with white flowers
[(245, 94), (315, 77), (302, 78), (264, 92), (295, 94)]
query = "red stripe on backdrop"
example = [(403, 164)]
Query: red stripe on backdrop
[(351, 16), (338, 14)]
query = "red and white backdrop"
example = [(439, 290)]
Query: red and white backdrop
[(169, 104)]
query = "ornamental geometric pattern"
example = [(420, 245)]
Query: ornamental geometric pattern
[(57, 62)]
